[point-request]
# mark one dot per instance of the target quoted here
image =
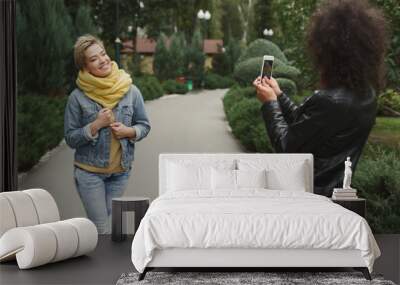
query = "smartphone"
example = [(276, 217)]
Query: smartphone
[(266, 68)]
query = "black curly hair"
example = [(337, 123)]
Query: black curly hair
[(347, 40)]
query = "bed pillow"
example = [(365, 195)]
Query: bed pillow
[(188, 177), (251, 178), (223, 179), (281, 175), (291, 179)]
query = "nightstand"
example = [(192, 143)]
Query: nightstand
[(139, 205), (357, 205)]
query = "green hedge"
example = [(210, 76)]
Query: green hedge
[(149, 86), (215, 81), (389, 103), (246, 71), (288, 86), (261, 47), (40, 121), (377, 179), (243, 113), (173, 87)]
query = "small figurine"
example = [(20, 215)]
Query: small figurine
[(347, 174)]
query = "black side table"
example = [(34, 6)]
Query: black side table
[(357, 205), (119, 205)]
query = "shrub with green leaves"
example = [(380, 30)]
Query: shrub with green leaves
[(243, 113), (249, 64), (288, 86), (261, 47), (389, 103), (215, 81), (36, 135), (149, 86), (246, 71), (377, 180), (173, 87)]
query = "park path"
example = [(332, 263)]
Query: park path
[(194, 122)]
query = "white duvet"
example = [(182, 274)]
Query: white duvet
[(250, 219)]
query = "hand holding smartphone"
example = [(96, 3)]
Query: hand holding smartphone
[(266, 67)]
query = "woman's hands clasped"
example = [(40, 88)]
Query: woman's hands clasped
[(121, 131), (267, 89), (105, 118)]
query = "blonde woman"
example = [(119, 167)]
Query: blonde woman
[(104, 118)]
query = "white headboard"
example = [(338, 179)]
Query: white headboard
[(287, 157)]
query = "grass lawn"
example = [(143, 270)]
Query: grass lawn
[(386, 131)]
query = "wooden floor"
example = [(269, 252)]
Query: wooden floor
[(111, 259)]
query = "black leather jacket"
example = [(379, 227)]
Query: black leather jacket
[(331, 124)]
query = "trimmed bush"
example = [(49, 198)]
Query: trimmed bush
[(243, 113), (389, 103), (261, 47), (377, 180), (246, 71), (287, 86), (243, 121), (215, 81), (40, 121), (149, 86), (173, 87)]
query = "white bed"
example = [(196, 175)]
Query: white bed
[(197, 224)]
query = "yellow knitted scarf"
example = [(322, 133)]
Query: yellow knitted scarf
[(107, 91)]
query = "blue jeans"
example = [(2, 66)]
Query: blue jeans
[(96, 191)]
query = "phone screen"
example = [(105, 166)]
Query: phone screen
[(267, 68)]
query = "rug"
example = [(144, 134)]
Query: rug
[(244, 278)]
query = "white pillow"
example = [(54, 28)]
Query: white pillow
[(223, 179), (188, 177), (289, 179), (281, 175), (251, 178)]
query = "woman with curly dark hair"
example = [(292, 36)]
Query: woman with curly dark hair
[(347, 40)]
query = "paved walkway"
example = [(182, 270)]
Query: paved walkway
[(182, 124)]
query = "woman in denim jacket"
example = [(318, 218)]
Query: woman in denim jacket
[(104, 118)]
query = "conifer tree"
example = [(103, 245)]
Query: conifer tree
[(44, 38)]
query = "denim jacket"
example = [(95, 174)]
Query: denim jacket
[(81, 111)]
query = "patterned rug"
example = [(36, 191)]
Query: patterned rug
[(243, 278)]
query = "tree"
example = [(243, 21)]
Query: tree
[(261, 18), (161, 58), (114, 17), (231, 21), (224, 63), (196, 59), (43, 51), (391, 9), (290, 34), (177, 55), (84, 23)]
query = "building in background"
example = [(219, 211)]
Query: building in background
[(145, 47)]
